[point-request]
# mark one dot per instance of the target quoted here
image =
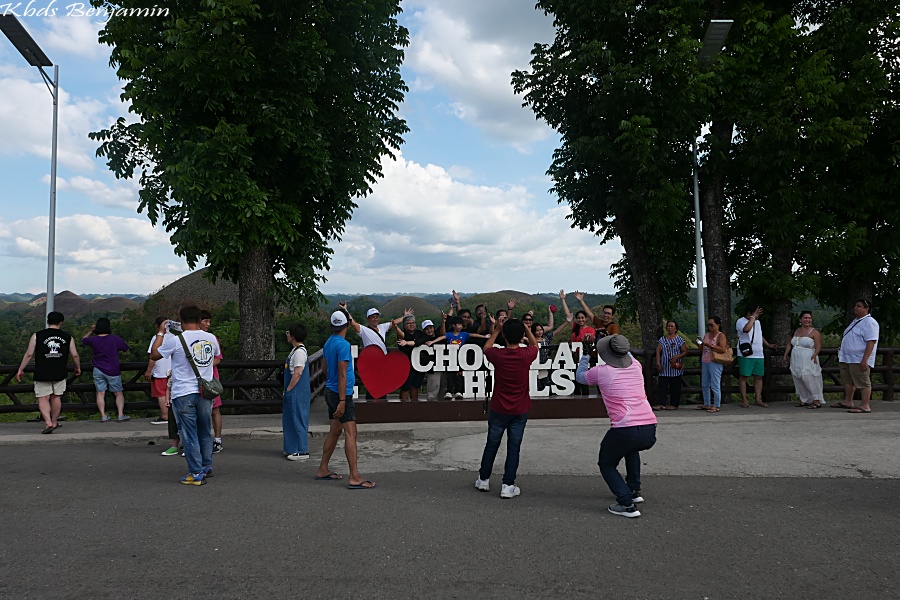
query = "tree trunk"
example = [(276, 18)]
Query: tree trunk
[(781, 317), (646, 286), (256, 340), (712, 211)]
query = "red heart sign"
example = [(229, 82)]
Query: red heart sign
[(382, 373)]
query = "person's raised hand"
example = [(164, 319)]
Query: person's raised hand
[(511, 303), (562, 295), (579, 295)]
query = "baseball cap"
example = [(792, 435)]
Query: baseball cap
[(427, 323), (338, 320), (372, 311)]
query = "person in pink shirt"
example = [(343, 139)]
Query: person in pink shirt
[(632, 422)]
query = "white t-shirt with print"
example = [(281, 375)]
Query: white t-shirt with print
[(162, 366), (744, 338), (204, 347), (369, 337), (856, 336)]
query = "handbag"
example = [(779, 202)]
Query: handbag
[(746, 348), (723, 358), (209, 388)]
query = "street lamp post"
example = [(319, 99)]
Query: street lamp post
[(32, 53), (713, 41)]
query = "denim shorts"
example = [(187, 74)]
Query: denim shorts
[(104, 382)]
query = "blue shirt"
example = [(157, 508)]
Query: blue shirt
[(456, 339), (335, 351)]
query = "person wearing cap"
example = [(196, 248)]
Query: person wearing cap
[(632, 422), (435, 382), (339, 382), (374, 332), (510, 403)]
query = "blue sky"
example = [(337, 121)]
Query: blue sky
[(465, 206)]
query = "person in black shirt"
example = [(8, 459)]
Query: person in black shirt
[(408, 337), (51, 349)]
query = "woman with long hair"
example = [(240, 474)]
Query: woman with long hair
[(580, 328), (804, 350)]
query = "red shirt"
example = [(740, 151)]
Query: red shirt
[(511, 378)]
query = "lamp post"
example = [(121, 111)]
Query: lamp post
[(32, 53), (713, 41)]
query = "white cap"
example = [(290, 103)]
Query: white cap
[(372, 311), (338, 320), (427, 323)]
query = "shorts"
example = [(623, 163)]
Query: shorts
[(332, 400), (852, 374), (414, 381), (158, 387), (104, 382), (217, 402), (42, 389), (751, 366)]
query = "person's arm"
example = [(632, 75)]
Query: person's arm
[(148, 374), (550, 320), (510, 305), (530, 337), (751, 322), (342, 388), (73, 352), (658, 358), (160, 335), (768, 345), (587, 310), (721, 343), (787, 351), (493, 337), (298, 370), (683, 353), (562, 298), (406, 313), (817, 338), (29, 353), (864, 363), (584, 365), (478, 335), (89, 333), (441, 339), (343, 304), (444, 323)]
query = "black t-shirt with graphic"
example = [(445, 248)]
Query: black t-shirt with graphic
[(51, 354)]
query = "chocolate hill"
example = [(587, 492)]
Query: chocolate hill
[(73, 305), (195, 288)]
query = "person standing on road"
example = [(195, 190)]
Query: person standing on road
[(50, 348), (710, 371), (804, 350), (856, 357), (107, 372), (670, 352), (205, 322), (510, 403), (158, 375), (374, 333), (632, 422), (295, 412), (751, 364), (194, 411), (337, 361)]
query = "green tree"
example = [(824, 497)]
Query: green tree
[(259, 123), (621, 85)]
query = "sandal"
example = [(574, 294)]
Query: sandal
[(842, 405), (713, 409), (703, 407), (815, 404)]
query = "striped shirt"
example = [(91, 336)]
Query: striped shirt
[(670, 348)]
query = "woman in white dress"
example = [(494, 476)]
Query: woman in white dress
[(804, 349)]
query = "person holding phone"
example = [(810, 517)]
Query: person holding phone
[(711, 371), (751, 360)]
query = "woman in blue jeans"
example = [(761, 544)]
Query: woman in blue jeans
[(711, 372), (295, 412)]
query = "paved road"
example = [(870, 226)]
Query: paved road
[(108, 520)]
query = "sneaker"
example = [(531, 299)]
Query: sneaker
[(193, 479), (217, 447), (207, 471), (124, 418), (159, 421), (105, 419), (458, 396), (483, 485), (297, 456), (509, 491), (170, 452), (448, 396), (624, 511), (637, 498)]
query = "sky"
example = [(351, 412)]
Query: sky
[(465, 205)]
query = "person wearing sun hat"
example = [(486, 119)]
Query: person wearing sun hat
[(632, 422)]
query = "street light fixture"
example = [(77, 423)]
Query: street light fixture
[(32, 53), (713, 42)]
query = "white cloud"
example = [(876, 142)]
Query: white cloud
[(422, 230), (73, 35), (123, 194), (469, 49)]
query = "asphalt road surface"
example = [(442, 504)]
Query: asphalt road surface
[(111, 521)]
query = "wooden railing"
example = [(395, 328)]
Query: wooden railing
[(243, 379)]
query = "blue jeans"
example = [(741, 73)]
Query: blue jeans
[(619, 443), (295, 423), (514, 426), (194, 415), (711, 376)]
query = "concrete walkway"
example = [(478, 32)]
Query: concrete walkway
[(780, 441)]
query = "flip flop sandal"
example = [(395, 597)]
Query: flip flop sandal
[(859, 411), (814, 406)]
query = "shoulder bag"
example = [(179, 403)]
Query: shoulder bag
[(745, 348), (209, 388), (725, 357)]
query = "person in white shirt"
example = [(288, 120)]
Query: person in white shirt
[(158, 375), (753, 364), (193, 410), (856, 357), (374, 332)]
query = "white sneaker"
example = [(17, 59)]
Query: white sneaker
[(637, 499), (509, 491), (483, 485), (458, 396), (298, 457), (448, 396), (624, 511)]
